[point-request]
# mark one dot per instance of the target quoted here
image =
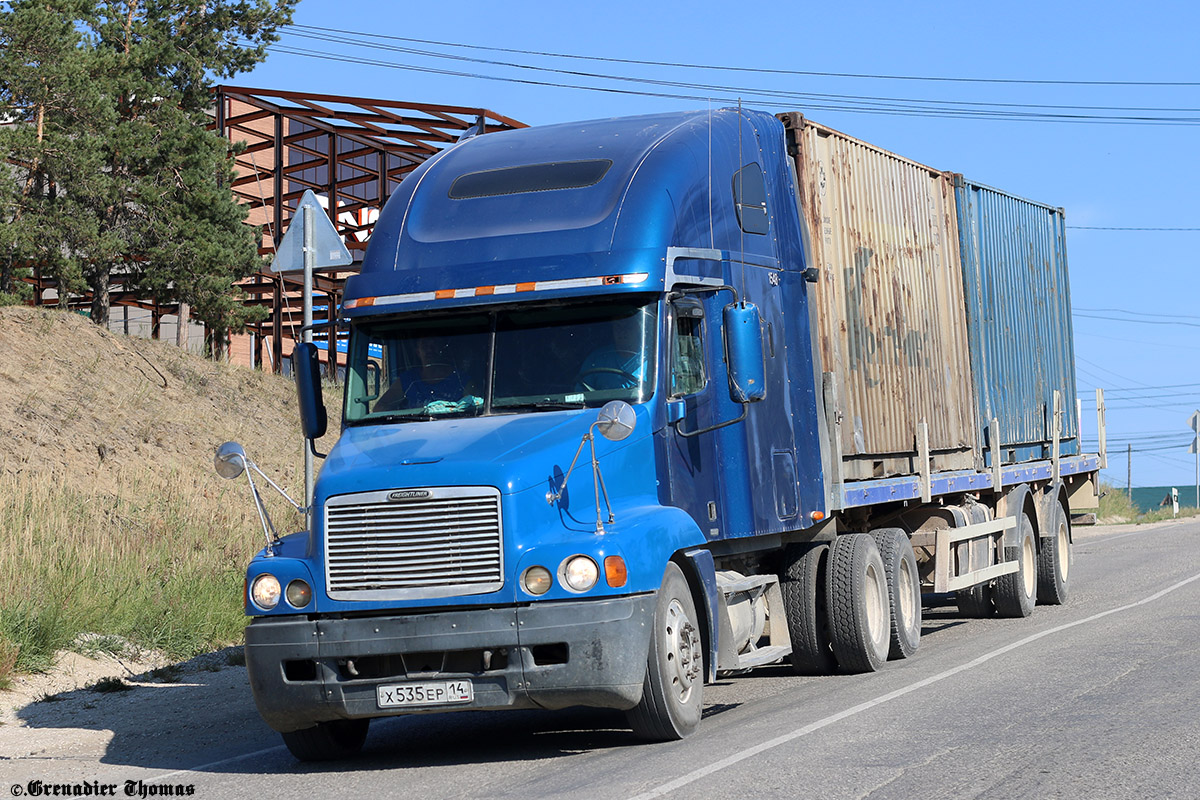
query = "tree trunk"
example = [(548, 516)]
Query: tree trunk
[(100, 299), (181, 330)]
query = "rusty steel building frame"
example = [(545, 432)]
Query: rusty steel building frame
[(352, 152)]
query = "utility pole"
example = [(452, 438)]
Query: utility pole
[(1194, 422), (1129, 474)]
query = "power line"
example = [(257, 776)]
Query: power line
[(1138, 314), (830, 103), (1106, 228), (978, 106), (756, 70)]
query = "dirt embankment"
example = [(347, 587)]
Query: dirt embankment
[(81, 402)]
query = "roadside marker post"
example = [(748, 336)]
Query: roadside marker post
[(311, 242)]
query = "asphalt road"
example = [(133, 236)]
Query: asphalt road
[(1096, 699)]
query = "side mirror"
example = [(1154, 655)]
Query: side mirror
[(616, 420), (230, 460), (307, 370), (744, 351)]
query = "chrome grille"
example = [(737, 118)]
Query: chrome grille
[(416, 543)]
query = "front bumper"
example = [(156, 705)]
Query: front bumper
[(546, 655)]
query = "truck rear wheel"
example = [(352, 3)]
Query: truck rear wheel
[(803, 589), (904, 590), (673, 690), (1054, 559), (857, 594), (328, 741), (1016, 593)]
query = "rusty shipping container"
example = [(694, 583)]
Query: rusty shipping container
[(1014, 258), (890, 315)]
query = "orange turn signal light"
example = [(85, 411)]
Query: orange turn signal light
[(817, 516), (615, 572)]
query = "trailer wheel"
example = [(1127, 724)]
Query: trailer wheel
[(975, 602), (857, 594), (672, 692), (1016, 593), (328, 741), (803, 589), (1054, 559), (904, 590)]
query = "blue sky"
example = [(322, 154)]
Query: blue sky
[(1136, 293)]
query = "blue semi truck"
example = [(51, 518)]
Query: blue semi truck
[(634, 402)]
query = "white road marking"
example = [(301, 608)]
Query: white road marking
[(212, 764), (750, 752)]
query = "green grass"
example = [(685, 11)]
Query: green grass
[(159, 564), (1116, 507)]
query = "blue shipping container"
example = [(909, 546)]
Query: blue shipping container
[(1014, 261)]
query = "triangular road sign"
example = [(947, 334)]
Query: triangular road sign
[(329, 249), (1194, 422)]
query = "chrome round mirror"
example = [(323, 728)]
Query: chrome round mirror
[(230, 460), (616, 420)]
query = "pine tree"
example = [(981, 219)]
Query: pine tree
[(133, 183)]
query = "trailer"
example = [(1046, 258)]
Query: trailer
[(633, 403)]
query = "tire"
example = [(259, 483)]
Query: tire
[(904, 590), (802, 584), (1016, 593), (857, 595), (975, 602), (1054, 559), (673, 689), (328, 741)]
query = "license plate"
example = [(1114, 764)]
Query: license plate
[(436, 693)]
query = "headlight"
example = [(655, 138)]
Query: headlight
[(537, 580), (265, 591), (579, 573), (299, 593)]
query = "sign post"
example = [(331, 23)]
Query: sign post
[(311, 243)]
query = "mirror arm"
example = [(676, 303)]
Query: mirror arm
[(312, 445), (726, 423), (263, 517)]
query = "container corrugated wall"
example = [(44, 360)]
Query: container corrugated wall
[(890, 311), (1018, 298)]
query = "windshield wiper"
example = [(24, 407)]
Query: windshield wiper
[(540, 405)]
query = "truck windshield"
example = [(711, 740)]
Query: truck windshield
[(519, 358)]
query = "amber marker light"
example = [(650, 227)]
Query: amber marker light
[(817, 516), (615, 572)]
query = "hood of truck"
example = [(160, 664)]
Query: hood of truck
[(511, 452), (523, 457)]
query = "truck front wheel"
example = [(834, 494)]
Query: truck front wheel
[(672, 692), (328, 741)]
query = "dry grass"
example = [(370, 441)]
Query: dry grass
[(112, 520)]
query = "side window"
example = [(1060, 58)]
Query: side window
[(750, 199), (687, 348)]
